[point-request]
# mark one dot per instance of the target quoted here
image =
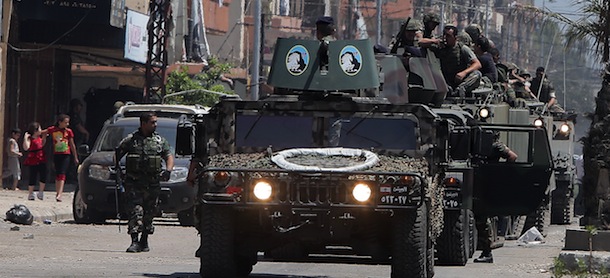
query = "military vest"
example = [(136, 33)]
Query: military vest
[(144, 155)]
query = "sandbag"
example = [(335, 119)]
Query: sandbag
[(20, 214)]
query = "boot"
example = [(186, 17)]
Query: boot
[(144, 243), (485, 257), (135, 245)]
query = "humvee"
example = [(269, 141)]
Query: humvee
[(324, 163)]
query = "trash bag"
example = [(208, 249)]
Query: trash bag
[(20, 214)]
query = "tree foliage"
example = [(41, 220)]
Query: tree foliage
[(209, 79)]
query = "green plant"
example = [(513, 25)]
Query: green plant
[(591, 231), (180, 80), (559, 268)]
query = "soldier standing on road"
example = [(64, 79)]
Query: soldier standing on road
[(144, 149), (499, 150)]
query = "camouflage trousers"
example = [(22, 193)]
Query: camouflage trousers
[(483, 225), (468, 84), (141, 203)]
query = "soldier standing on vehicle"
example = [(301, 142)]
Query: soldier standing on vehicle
[(325, 33), (499, 150), (543, 88), (144, 149), (430, 20)]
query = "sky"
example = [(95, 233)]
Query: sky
[(568, 8)]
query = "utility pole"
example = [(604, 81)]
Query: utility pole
[(379, 12), (256, 57), (156, 62), (542, 34), (487, 19)]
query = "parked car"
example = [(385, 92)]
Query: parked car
[(95, 198)]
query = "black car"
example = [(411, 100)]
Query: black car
[(95, 199)]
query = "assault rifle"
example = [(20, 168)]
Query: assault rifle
[(119, 187), (397, 41)]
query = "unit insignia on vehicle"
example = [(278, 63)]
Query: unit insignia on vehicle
[(350, 60), (297, 60)]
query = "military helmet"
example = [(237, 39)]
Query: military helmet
[(464, 38), (413, 25), (474, 30), (431, 17)]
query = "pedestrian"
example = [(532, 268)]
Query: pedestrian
[(12, 149), (33, 142), (482, 220), (145, 149), (63, 149), (81, 135)]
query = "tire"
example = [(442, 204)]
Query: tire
[(409, 238), (562, 203), (472, 234), (217, 243), (540, 218), (187, 217), (82, 213), (451, 246)]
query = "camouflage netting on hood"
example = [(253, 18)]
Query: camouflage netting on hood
[(386, 163)]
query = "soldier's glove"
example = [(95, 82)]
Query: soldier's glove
[(165, 174)]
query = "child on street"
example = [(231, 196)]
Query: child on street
[(13, 168), (33, 143)]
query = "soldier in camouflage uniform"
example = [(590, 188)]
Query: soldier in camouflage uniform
[(144, 149), (482, 221), (325, 33)]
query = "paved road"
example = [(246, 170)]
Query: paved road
[(64, 249)]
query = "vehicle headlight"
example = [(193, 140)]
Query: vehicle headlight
[(564, 128), (361, 192), (99, 172), (484, 113), (179, 174), (263, 190), (538, 122)]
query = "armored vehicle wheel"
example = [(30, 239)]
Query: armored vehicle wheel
[(186, 217), (82, 213), (541, 218), (217, 247), (562, 203), (409, 252), (453, 242), (472, 234)]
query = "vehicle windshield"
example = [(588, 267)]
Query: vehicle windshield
[(112, 136), (276, 131), (298, 132), (386, 133)]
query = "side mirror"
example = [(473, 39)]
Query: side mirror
[(185, 136), (83, 150)]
